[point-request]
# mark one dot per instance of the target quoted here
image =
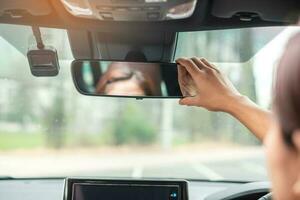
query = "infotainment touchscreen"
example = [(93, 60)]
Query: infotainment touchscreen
[(80, 189)]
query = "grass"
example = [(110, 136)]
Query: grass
[(15, 141), (27, 141), (11, 141)]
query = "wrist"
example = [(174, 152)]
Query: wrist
[(236, 104)]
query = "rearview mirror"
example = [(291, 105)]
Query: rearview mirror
[(126, 79)]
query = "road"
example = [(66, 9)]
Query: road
[(248, 168), (214, 164)]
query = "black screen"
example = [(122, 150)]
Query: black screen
[(125, 192)]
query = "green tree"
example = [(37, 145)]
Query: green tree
[(132, 126), (54, 120)]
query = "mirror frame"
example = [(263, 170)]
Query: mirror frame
[(73, 72)]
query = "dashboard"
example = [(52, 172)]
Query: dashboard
[(54, 189)]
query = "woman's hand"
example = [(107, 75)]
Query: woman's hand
[(205, 86)]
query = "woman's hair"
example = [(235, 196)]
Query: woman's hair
[(126, 74), (287, 90)]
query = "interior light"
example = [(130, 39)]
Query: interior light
[(78, 8), (182, 11), (133, 10)]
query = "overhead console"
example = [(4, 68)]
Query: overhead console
[(126, 16), (91, 189), (131, 10)]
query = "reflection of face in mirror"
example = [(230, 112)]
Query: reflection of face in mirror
[(135, 79), (123, 81)]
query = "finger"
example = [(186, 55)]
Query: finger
[(183, 78), (200, 64), (184, 91), (188, 101), (209, 64), (206, 62), (181, 74), (181, 71), (190, 66)]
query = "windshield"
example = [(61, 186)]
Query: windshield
[(48, 129)]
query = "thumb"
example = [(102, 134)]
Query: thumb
[(188, 101)]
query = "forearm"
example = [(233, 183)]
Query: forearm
[(248, 113)]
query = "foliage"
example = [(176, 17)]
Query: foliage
[(54, 119), (132, 127)]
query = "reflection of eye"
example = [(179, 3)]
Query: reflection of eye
[(122, 78)]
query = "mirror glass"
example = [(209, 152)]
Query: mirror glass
[(126, 79)]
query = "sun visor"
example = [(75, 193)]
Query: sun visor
[(156, 46)]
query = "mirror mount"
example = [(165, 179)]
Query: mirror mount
[(156, 46), (135, 56)]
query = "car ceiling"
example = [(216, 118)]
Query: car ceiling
[(95, 39), (209, 15)]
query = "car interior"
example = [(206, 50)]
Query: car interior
[(89, 91)]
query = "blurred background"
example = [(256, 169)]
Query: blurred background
[(48, 129)]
